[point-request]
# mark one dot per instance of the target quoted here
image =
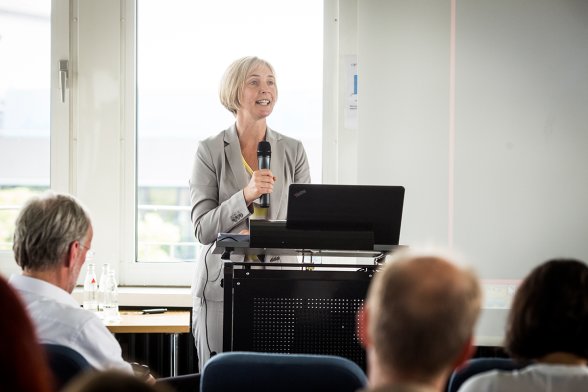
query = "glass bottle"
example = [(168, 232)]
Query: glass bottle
[(90, 289), (110, 305), (102, 285)]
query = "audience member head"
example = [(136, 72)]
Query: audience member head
[(53, 233), (112, 381), (419, 317), (234, 78), (549, 313), (23, 367)]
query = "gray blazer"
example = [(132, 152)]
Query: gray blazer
[(216, 191)]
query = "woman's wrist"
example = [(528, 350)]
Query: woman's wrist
[(248, 202)]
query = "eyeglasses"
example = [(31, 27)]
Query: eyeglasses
[(89, 252)]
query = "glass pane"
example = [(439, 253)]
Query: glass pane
[(24, 107), (183, 48)]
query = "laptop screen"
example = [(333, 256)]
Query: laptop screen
[(347, 207)]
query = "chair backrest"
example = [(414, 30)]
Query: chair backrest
[(242, 371), (480, 365), (65, 363)]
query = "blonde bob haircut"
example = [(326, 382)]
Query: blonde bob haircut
[(233, 81)]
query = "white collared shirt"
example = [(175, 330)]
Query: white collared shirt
[(58, 319)]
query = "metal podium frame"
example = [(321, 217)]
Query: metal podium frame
[(288, 308)]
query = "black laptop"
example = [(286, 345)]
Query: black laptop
[(373, 208)]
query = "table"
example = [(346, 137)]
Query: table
[(171, 322)]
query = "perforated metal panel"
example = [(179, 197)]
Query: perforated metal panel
[(274, 323), (328, 326), (285, 311)]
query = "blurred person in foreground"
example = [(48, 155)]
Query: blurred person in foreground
[(418, 322), (227, 182), (23, 365), (548, 326)]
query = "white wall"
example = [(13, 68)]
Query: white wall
[(506, 182), (521, 163), (339, 140), (403, 108)]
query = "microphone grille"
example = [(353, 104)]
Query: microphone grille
[(264, 148)]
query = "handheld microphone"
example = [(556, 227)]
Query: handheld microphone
[(264, 154)]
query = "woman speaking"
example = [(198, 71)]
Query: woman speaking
[(226, 185)]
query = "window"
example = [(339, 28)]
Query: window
[(183, 47), (24, 108), (142, 91)]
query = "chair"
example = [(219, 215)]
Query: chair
[(480, 365), (65, 363), (248, 371)]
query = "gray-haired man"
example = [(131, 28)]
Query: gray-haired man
[(52, 236)]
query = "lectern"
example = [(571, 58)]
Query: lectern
[(297, 309)]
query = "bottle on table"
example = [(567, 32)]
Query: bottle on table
[(102, 285), (90, 289), (110, 305)]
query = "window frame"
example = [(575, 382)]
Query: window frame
[(131, 271), (93, 141)]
